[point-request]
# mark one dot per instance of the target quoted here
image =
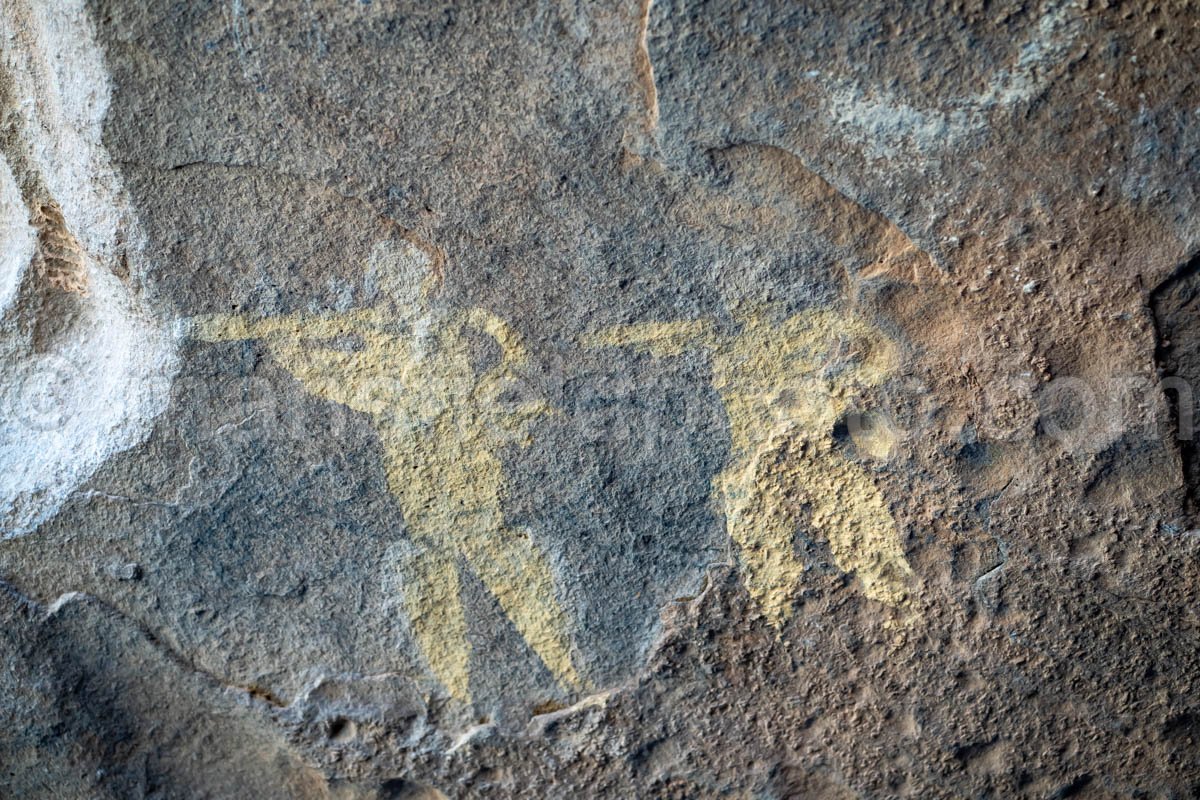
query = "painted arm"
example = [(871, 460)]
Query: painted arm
[(511, 420), (513, 352), (663, 339), (513, 356), (336, 375), (341, 376), (510, 417), (239, 327)]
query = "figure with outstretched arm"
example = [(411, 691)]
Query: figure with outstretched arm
[(785, 381), (441, 426)]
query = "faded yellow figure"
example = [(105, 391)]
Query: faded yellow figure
[(785, 382), (405, 363)]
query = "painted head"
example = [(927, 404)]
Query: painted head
[(402, 278)]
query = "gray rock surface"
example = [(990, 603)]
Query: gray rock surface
[(686, 398)]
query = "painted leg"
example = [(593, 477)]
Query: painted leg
[(850, 511), (519, 576), (761, 523), (433, 599)]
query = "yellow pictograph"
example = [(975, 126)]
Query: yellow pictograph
[(785, 381), (406, 363)]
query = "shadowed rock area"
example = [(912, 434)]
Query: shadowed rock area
[(672, 398)]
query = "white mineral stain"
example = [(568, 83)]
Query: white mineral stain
[(81, 377), (17, 239), (887, 125)]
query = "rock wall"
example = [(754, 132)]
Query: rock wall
[(684, 399)]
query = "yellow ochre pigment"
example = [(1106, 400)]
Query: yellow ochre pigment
[(784, 384), (441, 426)]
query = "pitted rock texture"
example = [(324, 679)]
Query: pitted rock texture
[(675, 398)]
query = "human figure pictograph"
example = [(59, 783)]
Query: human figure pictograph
[(785, 382), (405, 363)]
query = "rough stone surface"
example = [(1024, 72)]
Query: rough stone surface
[(681, 399)]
